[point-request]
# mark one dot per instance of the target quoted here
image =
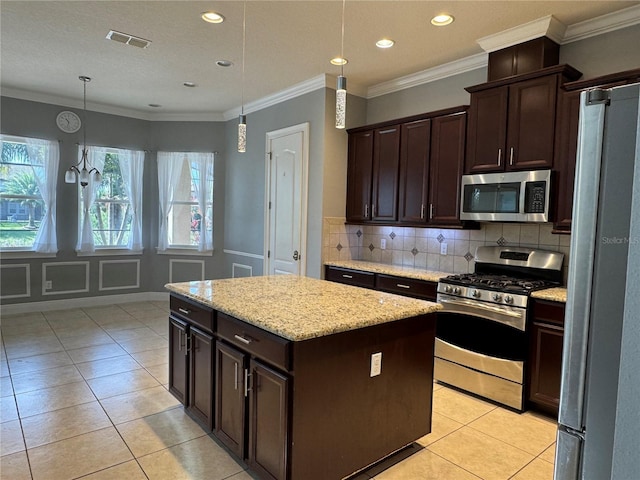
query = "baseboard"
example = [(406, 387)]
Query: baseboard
[(83, 302)]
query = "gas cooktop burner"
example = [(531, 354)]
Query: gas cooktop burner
[(498, 282)]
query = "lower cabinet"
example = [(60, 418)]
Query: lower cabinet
[(201, 376), (545, 362)]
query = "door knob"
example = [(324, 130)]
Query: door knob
[(296, 255)]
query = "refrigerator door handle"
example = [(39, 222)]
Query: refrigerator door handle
[(581, 263)]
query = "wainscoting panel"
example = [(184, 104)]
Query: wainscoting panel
[(65, 277), (238, 270), (185, 270), (15, 281), (119, 274)]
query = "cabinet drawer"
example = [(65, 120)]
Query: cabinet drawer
[(407, 286), (264, 345), (194, 313), (350, 277), (548, 312)]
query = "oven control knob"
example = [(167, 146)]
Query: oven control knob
[(508, 299), (456, 291), (476, 294), (497, 297), (447, 289)]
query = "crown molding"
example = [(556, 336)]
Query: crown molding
[(610, 22), (450, 69), (547, 26)]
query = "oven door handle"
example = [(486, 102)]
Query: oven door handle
[(505, 315)]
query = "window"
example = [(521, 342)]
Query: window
[(111, 211), (28, 176), (185, 185)]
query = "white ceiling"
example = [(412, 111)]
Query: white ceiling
[(46, 45)]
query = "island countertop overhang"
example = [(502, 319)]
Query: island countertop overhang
[(301, 308)]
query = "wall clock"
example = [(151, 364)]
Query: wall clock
[(68, 122)]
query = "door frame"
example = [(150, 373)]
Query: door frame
[(270, 136)]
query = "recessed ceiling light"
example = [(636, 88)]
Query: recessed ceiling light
[(212, 17), (189, 84), (155, 105), (385, 43), (442, 20), (224, 63), (339, 61)]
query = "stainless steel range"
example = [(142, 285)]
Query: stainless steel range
[(482, 332)]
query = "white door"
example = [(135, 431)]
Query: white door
[(286, 202)]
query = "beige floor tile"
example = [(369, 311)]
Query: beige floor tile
[(73, 332), (68, 325), (536, 470), (39, 362), (8, 409), (34, 329), (425, 465), (22, 318), (134, 405), (107, 366), (6, 389), (77, 456), (157, 432), (149, 358), (126, 322), (11, 435), (125, 471), (31, 348), (4, 368), (95, 352), (196, 459), (441, 426), (144, 344), (103, 311), (15, 467), (151, 312), (136, 306), (521, 431), (158, 325), (549, 454), (481, 454), (87, 340), (64, 423), (245, 475), (120, 383), (54, 398), (132, 334), (162, 304), (459, 406), (62, 315), (27, 382), (160, 372)]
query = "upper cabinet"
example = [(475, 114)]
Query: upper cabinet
[(407, 171), (512, 121)]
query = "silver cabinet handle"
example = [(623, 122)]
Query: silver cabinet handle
[(344, 275), (373, 209), (366, 210), (499, 156), (422, 211), (246, 341), (511, 157), (235, 375), (431, 210), (184, 310), (247, 377), (402, 285), (179, 340), (188, 340)]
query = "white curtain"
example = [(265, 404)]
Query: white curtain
[(44, 156), (131, 167), (169, 168), (202, 166), (96, 156)]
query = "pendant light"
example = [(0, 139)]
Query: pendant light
[(242, 120), (75, 172), (341, 87)]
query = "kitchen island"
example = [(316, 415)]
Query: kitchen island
[(303, 379)]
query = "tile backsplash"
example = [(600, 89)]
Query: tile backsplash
[(423, 247)]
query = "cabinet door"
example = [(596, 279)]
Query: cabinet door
[(414, 171), (546, 366), (386, 162), (230, 398), (268, 417), (486, 136), (532, 123), (178, 366), (359, 176), (201, 377), (447, 159)]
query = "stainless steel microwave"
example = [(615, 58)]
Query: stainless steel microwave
[(506, 197)]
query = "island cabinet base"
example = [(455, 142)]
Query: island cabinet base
[(342, 419)]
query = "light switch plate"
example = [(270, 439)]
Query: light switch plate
[(376, 364), (443, 248), (383, 244)]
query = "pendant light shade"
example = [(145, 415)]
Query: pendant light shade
[(341, 101), (242, 121), (242, 134)]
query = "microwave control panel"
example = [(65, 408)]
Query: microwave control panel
[(535, 197)]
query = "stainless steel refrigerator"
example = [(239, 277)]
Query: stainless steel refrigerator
[(599, 418)]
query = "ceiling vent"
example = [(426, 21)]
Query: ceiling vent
[(128, 39)]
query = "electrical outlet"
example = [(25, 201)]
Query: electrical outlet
[(383, 243), (376, 364), (48, 285), (443, 248)]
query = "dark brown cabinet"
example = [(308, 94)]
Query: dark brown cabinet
[(350, 277), (512, 121), (545, 362), (359, 176), (201, 376), (386, 160), (414, 170), (523, 58), (178, 366), (230, 398)]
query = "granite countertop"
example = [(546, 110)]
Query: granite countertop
[(398, 270), (300, 308), (556, 294)]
